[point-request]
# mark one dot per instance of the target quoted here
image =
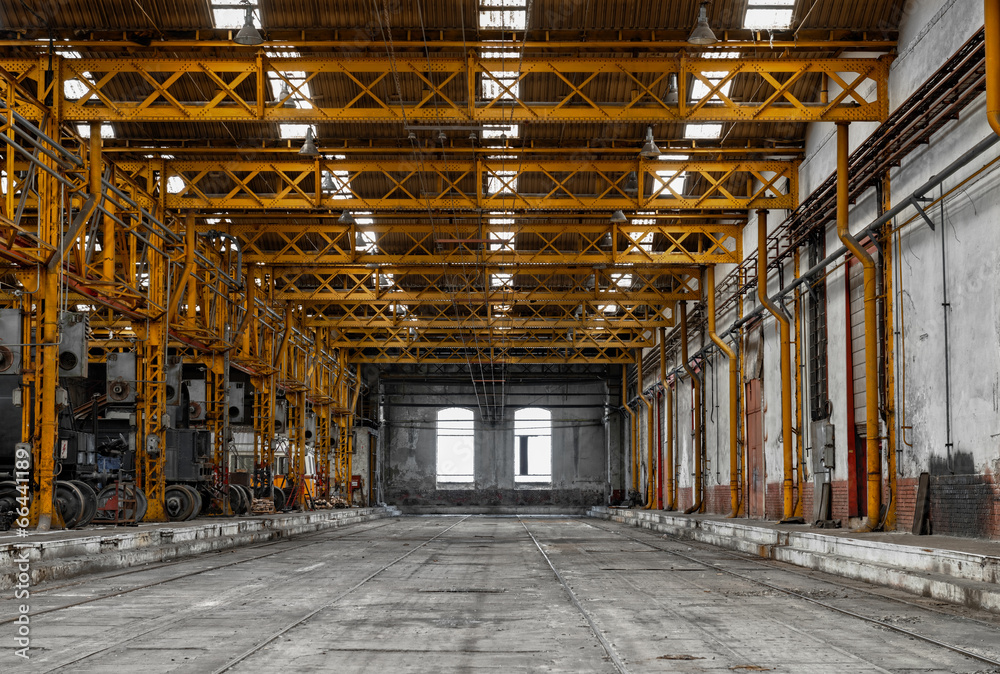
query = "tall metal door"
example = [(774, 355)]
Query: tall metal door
[(755, 450)]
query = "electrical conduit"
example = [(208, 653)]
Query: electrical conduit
[(734, 376)]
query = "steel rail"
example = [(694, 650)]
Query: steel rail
[(182, 576), (246, 654), (875, 621), (608, 647)]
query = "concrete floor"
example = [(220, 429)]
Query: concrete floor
[(452, 594)]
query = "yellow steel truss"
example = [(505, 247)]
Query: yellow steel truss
[(453, 89)]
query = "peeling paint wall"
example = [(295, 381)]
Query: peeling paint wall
[(964, 499)]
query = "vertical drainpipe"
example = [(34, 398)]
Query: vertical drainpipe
[(699, 501), (660, 500), (650, 495), (780, 315), (671, 500), (734, 375), (874, 459), (631, 426), (993, 64)]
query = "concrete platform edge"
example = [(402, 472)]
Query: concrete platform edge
[(946, 575), (62, 559)]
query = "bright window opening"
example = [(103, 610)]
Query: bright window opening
[(698, 88), (175, 185), (365, 241), (337, 182), (295, 131), (508, 131), (533, 446), (229, 14), (666, 180), (703, 131), (623, 281), (502, 280), (504, 238), (503, 14), (455, 447), (501, 182), (769, 14), (289, 87), (107, 131), (503, 85), (646, 240)]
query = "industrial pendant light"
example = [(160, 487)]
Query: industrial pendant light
[(328, 184), (346, 218), (632, 183), (248, 35), (702, 34), (286, 95), (309, 145), (671, 97), (649, 149), (618, 217)]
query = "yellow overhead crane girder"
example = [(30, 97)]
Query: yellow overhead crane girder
[(454, 89)]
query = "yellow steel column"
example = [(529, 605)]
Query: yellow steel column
[(153, 393), (631, 429), (788, 510), (734, 489), (670, 483), (650, 472), (46, 363), (992, 10), (871, 329), (698, 497)]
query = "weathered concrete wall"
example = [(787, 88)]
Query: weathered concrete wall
[(580, 445), (964, 499)]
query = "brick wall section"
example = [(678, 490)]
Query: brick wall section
[(965, 505), (906, 502), (839, 507), (807, 502)]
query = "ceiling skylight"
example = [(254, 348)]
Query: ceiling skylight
[(703, 131), (503, 14), (769, 14), (698, 88), (228, 14), (107, 131)]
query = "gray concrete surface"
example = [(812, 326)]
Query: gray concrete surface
[(454, 594)]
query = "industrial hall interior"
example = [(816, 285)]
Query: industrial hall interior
[(500, 335)]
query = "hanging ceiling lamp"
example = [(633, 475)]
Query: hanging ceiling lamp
[(248, 35), (649, 149), (632, 183), (346, 218), (671, 97), (309, 145), (328, 184), (702, 34), (618, 217)]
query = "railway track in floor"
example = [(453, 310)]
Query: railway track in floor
[(120, 592), (812, 600)]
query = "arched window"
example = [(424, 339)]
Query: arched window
[(455, 447), (533, 446)]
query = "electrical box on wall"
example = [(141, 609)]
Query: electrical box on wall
[(73, 344), (121, 378), (10, 341), (823, 443)]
